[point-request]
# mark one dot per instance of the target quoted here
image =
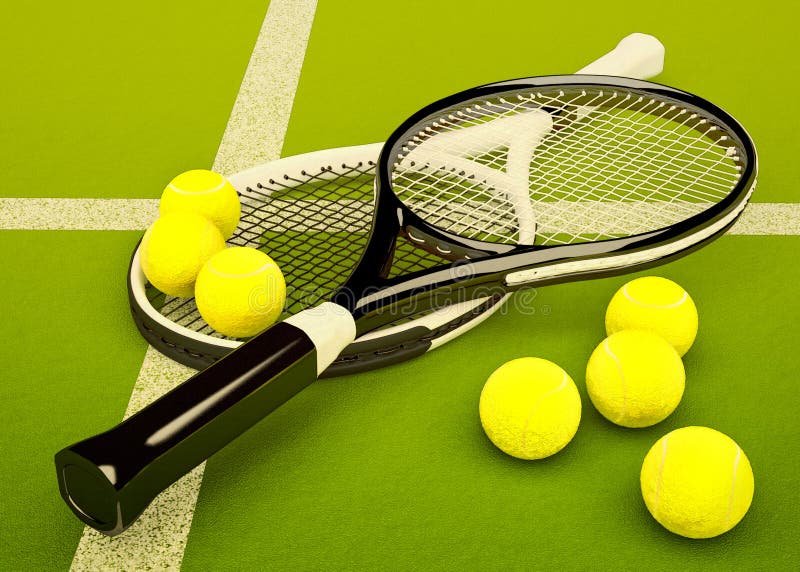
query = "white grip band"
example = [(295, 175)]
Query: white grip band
[(331, 328)]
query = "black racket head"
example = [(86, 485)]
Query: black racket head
[(547, 179)]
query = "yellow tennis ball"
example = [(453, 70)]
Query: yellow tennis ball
[(697, 482), (206, 193), (174, 249), (240, 292), (530, 408), (635, 378), (655, 304)]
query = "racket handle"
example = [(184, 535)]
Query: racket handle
[(639, 56), (108, 480)]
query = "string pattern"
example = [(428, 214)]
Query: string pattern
[(562, 167), (315, 228)]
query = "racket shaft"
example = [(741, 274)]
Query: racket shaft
[(108, 480)]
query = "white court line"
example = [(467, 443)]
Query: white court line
[(77, 214), (254, 134), (769, 219), (137, 214)]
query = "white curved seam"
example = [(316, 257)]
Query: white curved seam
[(621, 376), (736, 462), (535, 405), (221, 185), (248, 275), (660, 479), (655, 306)]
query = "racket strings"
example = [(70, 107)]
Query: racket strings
[(641, 172), (640, 157), (605, 164), (315, 226), (458, 205)]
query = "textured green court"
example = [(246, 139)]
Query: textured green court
[(388, 470)]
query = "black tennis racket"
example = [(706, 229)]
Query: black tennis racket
[(619, 175)]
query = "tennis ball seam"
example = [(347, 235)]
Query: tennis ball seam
[(660, 480), (535, 406), (731, 497), (256, 272), (219, 186), (618, 364), (630, 298), (687, 492), (733, 485)]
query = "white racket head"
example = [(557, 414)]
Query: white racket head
[(311, 213)]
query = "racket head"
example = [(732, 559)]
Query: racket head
[(312, 214), (624, 174)]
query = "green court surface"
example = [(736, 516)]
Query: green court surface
[(388, 470)]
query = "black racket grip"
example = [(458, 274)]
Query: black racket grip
[(108, 480)]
